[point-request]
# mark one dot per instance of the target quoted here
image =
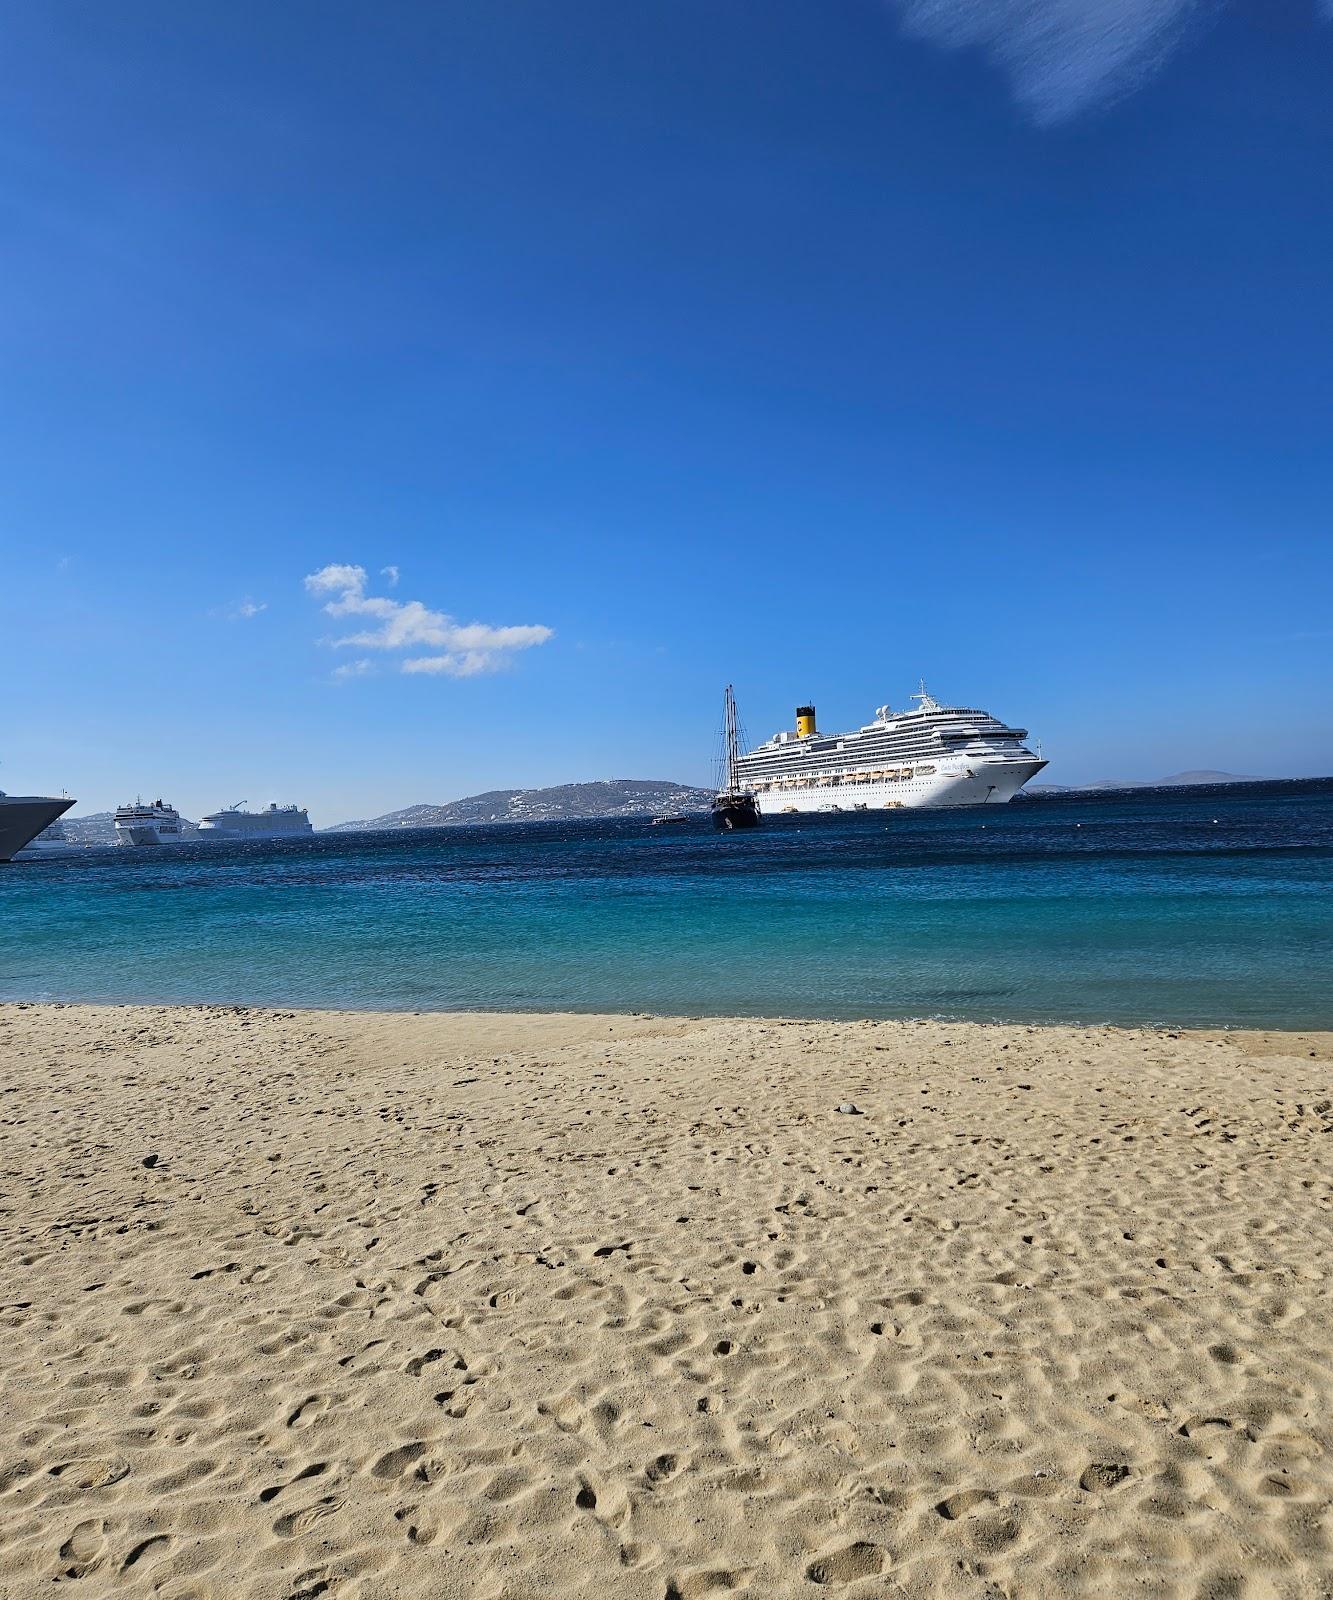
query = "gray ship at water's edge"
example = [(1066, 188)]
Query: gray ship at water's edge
[(23, 817)]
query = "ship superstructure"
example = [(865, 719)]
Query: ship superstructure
[(275, 822), (145, 822), (934, 755)]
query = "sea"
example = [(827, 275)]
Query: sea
[(1208, 906)]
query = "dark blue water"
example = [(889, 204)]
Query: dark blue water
[(1202, 906)]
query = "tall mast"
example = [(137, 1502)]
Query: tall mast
[(733, 742)]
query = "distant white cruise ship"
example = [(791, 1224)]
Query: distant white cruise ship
[(277, 822), (141, 822), (933, 756), (52, 840)]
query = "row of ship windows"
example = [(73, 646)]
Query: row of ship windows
[(874, 744), (759, 760), (897, 775), (857, 751), (821, 770)]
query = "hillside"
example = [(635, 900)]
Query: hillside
[(1177, 780), (610, 797)]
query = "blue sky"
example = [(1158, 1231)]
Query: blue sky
[(814, 346)]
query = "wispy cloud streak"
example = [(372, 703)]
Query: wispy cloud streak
[(242, 610), (461, 649), (1061, 56)]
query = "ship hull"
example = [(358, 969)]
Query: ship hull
[(735, 811), (233, 835), (144, 836), (964, 784), (23, 817)]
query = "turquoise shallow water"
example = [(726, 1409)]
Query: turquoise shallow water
[(1203, 907)]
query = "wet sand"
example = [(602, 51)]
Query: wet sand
[(383, 1305)]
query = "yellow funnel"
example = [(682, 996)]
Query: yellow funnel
[(805, 721)]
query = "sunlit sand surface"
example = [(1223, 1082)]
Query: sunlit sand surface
[(384, 1305)]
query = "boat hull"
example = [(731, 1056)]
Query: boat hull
[(129, 834), (23, 817), (735, 811), (235, 835), (977, 784)]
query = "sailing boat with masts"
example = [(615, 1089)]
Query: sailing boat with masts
[(734, 806)]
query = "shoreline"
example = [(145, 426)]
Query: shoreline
[(622, 1306), (1238, 1030)]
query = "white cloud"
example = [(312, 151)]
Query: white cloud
[(354, 669), (390, 574), (332, 578), (1062, 56), (462, 650), (241, 610)]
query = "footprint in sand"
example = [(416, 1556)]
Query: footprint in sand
[(358, 1356), (311, 1409), (664, 1468), (196, 1410), (1036, 1486), (707, 1581), (1193, 1426), (147, 1551), (508, 1484), (315, 1470), (564, 1411), (14, 1474), (92, 1472), (419, 1529), (1102, 1475), (82, 1551), (296, 1523), (958, 1505), (311, 1584), (418, 1364), (853, 1561), (394, 1463), (610, 1507)]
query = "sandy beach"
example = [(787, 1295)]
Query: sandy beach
[(365, 1305)]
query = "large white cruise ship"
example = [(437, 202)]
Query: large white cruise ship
[(276, 822), (932, 756), (147, 822)]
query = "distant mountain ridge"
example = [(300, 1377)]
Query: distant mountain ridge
[(1177, 780), (565, 802)]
